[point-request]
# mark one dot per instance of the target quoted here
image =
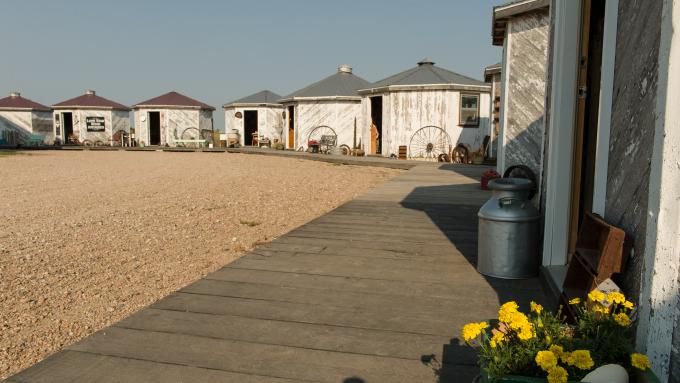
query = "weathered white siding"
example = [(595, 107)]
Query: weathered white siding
[(524, 90), (185, 124), (270, 121), (405, 112), (15, 125), (42, 124), (339, 115), (114, 120)]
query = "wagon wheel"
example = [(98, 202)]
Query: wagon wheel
[(345, 150), (319, 131), (98, 143), (87, 143), (428, 143)]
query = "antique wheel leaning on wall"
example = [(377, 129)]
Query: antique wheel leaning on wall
[(428, 143), (320, 131)]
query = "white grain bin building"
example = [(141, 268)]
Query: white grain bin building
[(24, 122), (329, 106), (90, 120), (258, 115), (426, 109), (170, 117)]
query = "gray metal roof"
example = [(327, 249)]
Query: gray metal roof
[(341, 84), (426, 73), (262, 97)]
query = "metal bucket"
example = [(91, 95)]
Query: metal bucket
[(508, 231)]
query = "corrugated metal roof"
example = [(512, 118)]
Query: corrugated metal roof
[(15, 102), (174, 99), (90, 100), (341, 84), (426, 73), (262, 97)]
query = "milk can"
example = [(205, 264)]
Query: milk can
[(508, 231)]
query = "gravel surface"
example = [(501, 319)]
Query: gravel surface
[(87, 238)]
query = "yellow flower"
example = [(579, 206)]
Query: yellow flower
[(526, 332), (616, 297), (622, 319), (640, 361), (557, 374), (506, 311), (497, 339), (596, 296), (548, 339), (581, 359), (565, 357), (546, 360), (473, 330), (598, 308), (575, 301), (535, 307), (557, 350), (628, 304)]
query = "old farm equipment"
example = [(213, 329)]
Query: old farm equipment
[(429, 143), (324, 137)]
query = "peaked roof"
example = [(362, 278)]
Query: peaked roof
[(502, 13), (92, 101), (174, 99), (261, 97), (426, 73), (15, 102), (341, 84)]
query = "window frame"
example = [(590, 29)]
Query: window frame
[(465, 124)]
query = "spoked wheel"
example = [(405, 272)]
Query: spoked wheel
[(320, 131), (428, 143)]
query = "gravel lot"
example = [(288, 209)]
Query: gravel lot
[(87, 238)]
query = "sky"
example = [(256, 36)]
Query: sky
[(219, 51)]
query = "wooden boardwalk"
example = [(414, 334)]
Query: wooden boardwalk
[(375, 291)]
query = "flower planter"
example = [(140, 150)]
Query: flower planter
[(641, 377)]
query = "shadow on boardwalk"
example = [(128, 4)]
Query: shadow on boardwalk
[(374, 291)]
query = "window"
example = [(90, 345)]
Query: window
[(469, 109)]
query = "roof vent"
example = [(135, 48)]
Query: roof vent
[(15, 94), (90, 92), (344, 68), (425, 61)]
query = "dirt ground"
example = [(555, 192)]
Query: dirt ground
[(87, 238)]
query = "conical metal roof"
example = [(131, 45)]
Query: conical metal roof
[(261, 97), (344, 83), (16, 102), (90, 100), (173, 98), (426, 73)]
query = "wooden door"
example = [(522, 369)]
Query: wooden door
[(291, 127), (587, 114)]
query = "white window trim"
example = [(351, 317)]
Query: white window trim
[(561, 131), (505, 72)]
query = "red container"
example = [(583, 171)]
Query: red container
[(488, 176)]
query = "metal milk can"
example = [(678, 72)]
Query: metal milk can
[(508, 231)]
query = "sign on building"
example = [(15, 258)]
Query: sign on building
[(95, 124)]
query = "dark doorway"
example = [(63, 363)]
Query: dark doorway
[(154, 128), (250, 127), (588, 103), (291, 127), (376, 126), (67, 119)]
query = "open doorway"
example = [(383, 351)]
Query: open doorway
[(587, 115), (154, 128), (376, 125), (291, 127), (250, 137), (67, 120)]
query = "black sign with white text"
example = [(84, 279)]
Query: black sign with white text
[(95, 124)]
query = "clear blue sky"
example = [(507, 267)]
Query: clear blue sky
[(218, 51)]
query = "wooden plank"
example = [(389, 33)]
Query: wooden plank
[(285, 333), (250, 358), (74, 366)]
